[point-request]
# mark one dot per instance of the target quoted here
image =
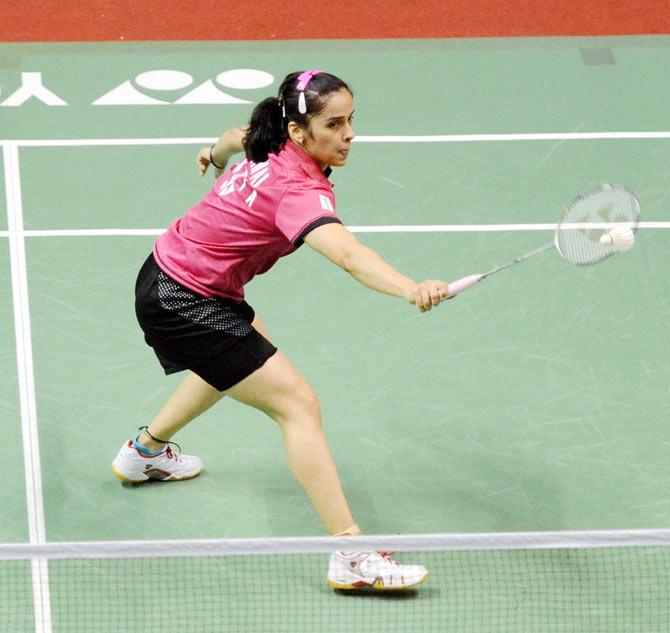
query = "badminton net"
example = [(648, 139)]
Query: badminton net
[(595, 582)]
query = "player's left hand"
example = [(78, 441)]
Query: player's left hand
[(203, 162)]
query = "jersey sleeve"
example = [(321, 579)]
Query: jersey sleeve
[(301, 211)]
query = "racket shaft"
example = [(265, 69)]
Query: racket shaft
[(467, 282), (523, 258)]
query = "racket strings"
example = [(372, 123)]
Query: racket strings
[(590, 216)]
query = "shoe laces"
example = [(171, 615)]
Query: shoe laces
[(172, 454), (387, 557)]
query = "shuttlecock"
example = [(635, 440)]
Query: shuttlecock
[(619, 238)]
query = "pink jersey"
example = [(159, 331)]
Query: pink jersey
[(255, 214)]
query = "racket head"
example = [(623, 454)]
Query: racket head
[(588, 217)]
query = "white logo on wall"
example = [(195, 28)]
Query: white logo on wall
[(152, 88)]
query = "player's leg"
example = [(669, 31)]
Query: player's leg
[(147, 456), (193, 397), (280, 391)]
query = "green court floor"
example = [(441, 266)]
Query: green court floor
[(383, 184), (537, 401), (514, 407)]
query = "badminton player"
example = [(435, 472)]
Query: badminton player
[(190, 300)]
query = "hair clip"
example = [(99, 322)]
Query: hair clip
[(301, 86)]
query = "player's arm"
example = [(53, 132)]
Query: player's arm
[(229, 143), (341, 247)]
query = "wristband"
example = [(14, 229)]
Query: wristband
[(211, 160)]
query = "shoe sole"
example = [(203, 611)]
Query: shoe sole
[(125, 479), (378, 585)]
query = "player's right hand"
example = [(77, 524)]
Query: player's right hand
[(429, 294)]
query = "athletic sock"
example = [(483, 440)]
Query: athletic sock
[(143, 449)]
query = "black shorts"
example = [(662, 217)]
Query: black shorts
[(211, 336)]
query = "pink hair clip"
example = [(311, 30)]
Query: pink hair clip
[(301, 86)]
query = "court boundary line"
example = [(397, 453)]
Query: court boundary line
[(26, 380), (393, 228), (326, 544), (400, 138)]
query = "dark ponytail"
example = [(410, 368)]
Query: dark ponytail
[(268, 126), (267, 132)]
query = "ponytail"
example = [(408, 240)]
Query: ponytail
[(299, 99), (267, 131)]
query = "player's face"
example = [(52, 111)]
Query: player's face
[(328, 138)]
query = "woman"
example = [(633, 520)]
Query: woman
[(190, 299)]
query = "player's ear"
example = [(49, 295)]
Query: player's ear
[(296, 132)]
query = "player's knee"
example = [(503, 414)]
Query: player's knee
[(307, 403), (302, 408)]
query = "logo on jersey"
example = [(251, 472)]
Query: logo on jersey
[(326, 204), (246, 175)]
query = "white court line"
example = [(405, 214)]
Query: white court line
[(493, 138), (397, 228), (26, 379), (397, 138)]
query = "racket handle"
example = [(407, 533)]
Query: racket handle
[(463, 284)]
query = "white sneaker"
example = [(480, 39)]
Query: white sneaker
[(133, 466), (372, 570)]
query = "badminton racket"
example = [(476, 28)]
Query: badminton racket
[(592, 228)]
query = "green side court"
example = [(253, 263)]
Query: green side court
[(534, 402)]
